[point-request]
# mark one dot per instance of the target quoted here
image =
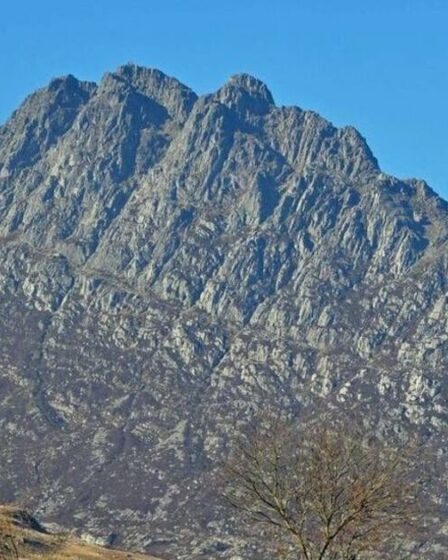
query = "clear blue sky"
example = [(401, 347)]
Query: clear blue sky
[(379, 65)]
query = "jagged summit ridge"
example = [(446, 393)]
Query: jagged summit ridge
[(170, 262), (242, 92)]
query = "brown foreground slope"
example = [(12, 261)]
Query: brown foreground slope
[(21, 533)]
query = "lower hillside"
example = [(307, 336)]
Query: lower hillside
[(22, 537)]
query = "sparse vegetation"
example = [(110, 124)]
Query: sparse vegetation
[(20, 538), (8, 546)]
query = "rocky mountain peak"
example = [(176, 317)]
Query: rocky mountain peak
[(246, 94), (252, 85), (68, 83), (168, 92), (40, 121)]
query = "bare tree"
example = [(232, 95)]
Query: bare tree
[(328, 492)]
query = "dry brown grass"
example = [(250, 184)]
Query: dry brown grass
[(33, 544)]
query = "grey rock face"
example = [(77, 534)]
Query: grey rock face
[(169, 264)]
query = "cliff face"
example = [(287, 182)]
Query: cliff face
[(170, 263)]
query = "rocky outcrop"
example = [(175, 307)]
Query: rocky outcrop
[(22, 534), (170, 263)]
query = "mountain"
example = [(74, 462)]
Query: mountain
[(171, 263)]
